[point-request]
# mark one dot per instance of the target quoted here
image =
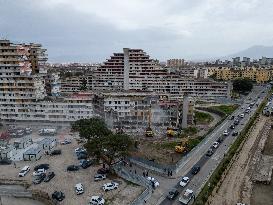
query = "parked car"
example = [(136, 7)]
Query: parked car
[(110, 186), (82, 156), (49, 176), (215, 145), (220, 139), (99, 177), (154, 182), (231, 117), (184, 181), (173, 193), (226, 133), (39, 172), (56, 152), (96, 200), (5, 162), (39, 178), (28, 130), (58, 195), (24, 171), (66, 141), (242, 115), (72, 168), (209, 152), (232, 127), (86, 164), (80, 149), (235, 133), (41, 166), (236, 122), (195, 170), (103, 171), (79, 189)]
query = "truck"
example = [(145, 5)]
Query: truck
[(187, 198), (47, 131)]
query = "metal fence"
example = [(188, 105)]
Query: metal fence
[(136, 179)]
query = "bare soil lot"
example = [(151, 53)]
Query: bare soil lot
[(262, 194)]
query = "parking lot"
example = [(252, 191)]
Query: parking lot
[(65, 181)]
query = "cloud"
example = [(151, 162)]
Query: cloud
[(90, 30)]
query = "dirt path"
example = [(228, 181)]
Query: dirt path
[(236, 187)]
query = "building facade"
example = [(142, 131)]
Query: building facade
[(23, 93)]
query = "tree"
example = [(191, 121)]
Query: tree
[(83, 85), (101, 142), (242, 85)]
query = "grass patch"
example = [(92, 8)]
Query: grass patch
[(227, 109), (202, 117), (194, 142), (166, 145), (190, 130)]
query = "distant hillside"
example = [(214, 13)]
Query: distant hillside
[(255, 52)]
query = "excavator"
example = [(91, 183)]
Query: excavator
[(149, 132), (183, 146), (171, 132)]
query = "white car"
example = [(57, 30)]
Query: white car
[(80, 149), (24, 171), (39, 172), (110, 186), (66, 141), (242, 115), (96, 200), (215, 144), (99, 177), (226, 133), (28, 130), (154, 181), (79, 188), (184, 181)]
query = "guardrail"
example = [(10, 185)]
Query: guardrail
[(136, 179)]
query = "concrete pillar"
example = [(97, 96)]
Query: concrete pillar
[(126, 69), (185, 111)]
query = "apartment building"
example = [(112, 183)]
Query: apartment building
[(23, 93), (134, 70), (259, 75), (175, 63)]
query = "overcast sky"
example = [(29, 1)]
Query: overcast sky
[(91, 30)]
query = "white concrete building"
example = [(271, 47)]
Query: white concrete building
[(23, 96)]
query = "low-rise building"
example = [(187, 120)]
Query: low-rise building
[(33, 154)]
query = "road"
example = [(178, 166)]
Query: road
[(208, 164)]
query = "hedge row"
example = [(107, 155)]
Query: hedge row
[(216, 175)]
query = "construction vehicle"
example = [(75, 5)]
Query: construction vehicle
[(183, 146), (171, 132), (149, 132)]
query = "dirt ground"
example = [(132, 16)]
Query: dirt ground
[(236, 187), (65, 181), (162, 150), (262, 194)]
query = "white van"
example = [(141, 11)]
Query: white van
[(24, 171)]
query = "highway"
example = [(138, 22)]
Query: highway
[(208, 164)]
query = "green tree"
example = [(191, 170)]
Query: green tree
[(101, 142), (83, 85), (242, 85)]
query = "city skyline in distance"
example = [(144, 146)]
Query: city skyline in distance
[(89, 32)]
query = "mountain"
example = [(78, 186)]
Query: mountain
[(255, 52)]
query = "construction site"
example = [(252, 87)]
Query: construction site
[(248, 179)]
